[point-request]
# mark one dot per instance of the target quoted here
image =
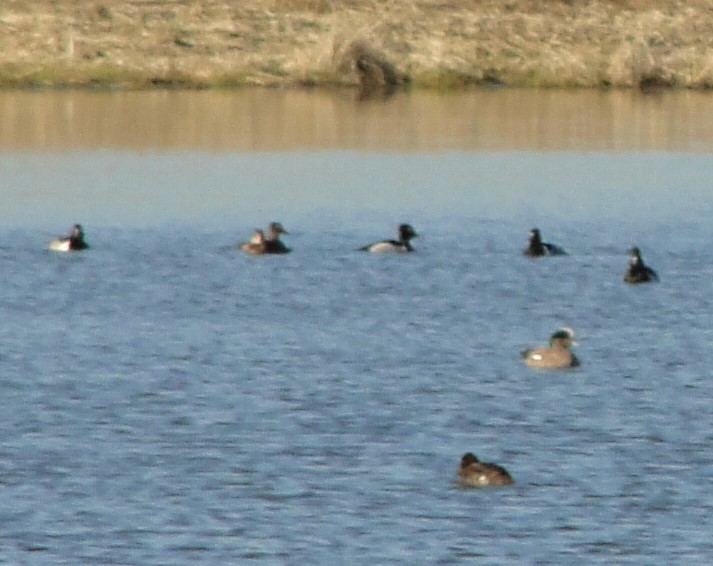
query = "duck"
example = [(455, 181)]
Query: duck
[(473, 472), (71, 243), (403, 244), (557, 356), (638, 272), (537, 248), (273, 244), (256, 244)]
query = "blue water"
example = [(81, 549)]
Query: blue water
[(168, 400)]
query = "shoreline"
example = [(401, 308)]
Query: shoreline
[(368, 44)]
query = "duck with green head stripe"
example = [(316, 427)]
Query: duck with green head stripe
[(555, 356)]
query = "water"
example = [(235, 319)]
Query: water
[(169, 400)]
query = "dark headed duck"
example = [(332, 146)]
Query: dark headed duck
[(71, 243), (403, 244), (637, 271), (537, 248), (273, 244), (473, 472)]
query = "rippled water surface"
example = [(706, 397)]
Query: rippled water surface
[(169, 400)]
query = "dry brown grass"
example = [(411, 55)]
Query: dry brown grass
[(437, 43)]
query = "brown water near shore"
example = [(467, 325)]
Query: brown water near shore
[(278, 120)]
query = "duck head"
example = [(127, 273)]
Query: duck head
[(635, 256), (276, 229), (468, 459), (562, 338), (406, 232)]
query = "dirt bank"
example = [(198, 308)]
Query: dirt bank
[(428, 43)]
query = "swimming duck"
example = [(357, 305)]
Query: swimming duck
[(638, 272), (473, 472), (557, 355), (73, 242), (403, 244), (273, 244), (537, 248), (256, 245)]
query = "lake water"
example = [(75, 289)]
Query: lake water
[(169, 400)]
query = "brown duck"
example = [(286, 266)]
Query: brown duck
[(473, 472)]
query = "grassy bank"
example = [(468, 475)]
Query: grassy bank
[(431, 43)]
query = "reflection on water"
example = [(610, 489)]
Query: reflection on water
[(248, 155), (276, 120)]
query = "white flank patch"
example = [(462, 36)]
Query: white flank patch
[(59, 245), (385, 247)]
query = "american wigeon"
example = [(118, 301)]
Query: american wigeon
[(403, 244), (71, 243), (256, 245), (637, 271), (557, 356), (473, 472), (537, 248)]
